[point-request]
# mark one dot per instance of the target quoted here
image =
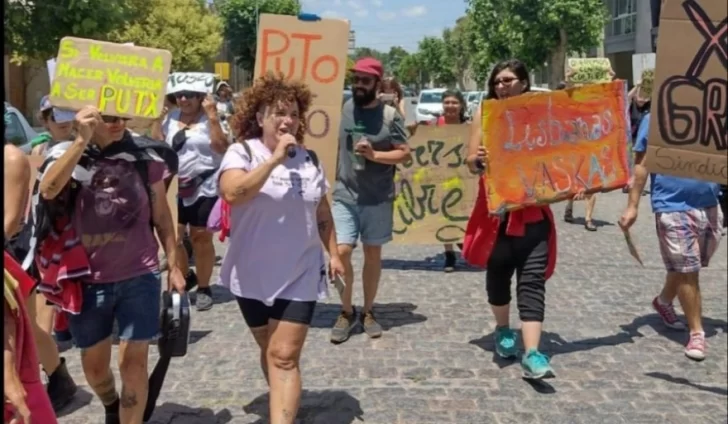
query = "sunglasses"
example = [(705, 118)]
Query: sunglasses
[(362, 80), (186, 95), (505, 80), (113, 119)]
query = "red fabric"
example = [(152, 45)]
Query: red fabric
[(62, 262), (224, 221), (60, 323), (25, 281), (482, 230), (440, 121), (26, 361)]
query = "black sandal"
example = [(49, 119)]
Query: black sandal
[(589, 225)]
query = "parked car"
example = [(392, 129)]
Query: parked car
[(18, 131), (540, 90), (429, 104)]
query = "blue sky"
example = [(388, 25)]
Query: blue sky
[(381, 24)]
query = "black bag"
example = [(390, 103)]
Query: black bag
[(175, 325)]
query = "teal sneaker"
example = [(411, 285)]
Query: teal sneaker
[(505, 342), (536, 366)]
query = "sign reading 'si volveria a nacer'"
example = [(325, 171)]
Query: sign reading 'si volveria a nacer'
[(119, 79)]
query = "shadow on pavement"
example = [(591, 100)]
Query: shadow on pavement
[(429, 263), (685, 382), (597, 222), (389, 315), (710, 326), (172, 413), (317, 407), (80, 400)]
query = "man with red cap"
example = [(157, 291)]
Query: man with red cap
[(372, 140)]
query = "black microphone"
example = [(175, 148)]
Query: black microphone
[(291, 152)]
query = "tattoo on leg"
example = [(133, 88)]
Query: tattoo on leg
[(128, 399), (106, 390), (323, 225)]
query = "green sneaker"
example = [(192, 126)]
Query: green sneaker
[(505, 342), (536, 366)]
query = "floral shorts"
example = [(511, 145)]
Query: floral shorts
[(689, 239)]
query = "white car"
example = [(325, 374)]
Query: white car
[(18, 131), (429, 104), (540, 90)]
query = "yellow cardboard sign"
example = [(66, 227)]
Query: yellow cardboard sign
[(222, 69), (120, 80)]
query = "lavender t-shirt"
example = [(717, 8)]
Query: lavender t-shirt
[(112, 217), (275, 251)]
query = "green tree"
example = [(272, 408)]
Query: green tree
[(409, 71), (435, 60), (185, 27), (393, 58), (34, 29), (459, 49), (537, 31), (240, 23)]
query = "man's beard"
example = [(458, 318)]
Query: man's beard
[(363, 97)]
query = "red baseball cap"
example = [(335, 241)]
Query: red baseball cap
[(369, 65)]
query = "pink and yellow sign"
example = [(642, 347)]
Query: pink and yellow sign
[(545, 147)]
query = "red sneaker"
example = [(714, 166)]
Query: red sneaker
[(668, 315)]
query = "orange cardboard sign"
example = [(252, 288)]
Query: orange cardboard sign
[(315, 53), (546, 147)]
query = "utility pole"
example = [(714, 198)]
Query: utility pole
[(352, 42)]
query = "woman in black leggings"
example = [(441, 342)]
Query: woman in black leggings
[(521, 242)]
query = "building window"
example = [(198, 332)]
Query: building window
[(623, 14)]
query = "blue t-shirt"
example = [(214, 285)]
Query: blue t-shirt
[(673, 194)]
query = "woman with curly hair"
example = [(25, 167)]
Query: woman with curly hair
[(277, 189)]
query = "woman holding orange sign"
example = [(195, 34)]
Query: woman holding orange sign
[(521, 242)]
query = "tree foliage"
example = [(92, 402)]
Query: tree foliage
[(240, 23), (435, 60), (34, 29), (185, 27), (459, 49), (536, 31)]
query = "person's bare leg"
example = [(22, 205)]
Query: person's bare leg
[(283, 355), (133, 369), (370, 275), (345, 252), (531, 332), (591, 202), (691, 302), (449, 247), (501, 314), (204, 251), (670, 288), (182, 261), (96, 363), (260, 335), (41, 318)]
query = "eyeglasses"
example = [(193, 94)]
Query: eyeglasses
[(363, 80), (186, 95), (113, 119), (505, 81)]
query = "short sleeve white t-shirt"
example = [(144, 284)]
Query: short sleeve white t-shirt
[(275, 251), (196, 156)]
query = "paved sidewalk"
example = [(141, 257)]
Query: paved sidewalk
[(615, 362)]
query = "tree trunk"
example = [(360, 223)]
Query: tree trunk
[(557, 63)]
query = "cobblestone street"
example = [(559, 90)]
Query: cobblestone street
[(615, 362)]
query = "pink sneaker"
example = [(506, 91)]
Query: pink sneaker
[(668, 315), (695, 348)]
